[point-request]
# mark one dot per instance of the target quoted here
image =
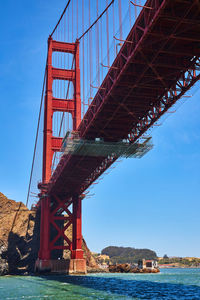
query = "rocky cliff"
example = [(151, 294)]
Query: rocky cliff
[(19, 238)]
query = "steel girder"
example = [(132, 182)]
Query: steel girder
[(157, 64)]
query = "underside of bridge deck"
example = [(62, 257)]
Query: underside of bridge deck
[(157, 64)]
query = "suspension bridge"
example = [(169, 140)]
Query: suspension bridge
[(113, 69)]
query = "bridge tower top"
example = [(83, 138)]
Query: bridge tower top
[(53, 144)]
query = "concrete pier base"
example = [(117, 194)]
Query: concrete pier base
[(61, 266), (77, 266), (42, 266)]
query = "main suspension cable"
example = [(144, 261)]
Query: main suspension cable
[(37, 132), (60, 18), (105, 10)]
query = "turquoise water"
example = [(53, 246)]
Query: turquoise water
[(169, 284)]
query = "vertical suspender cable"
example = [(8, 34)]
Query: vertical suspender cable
[(61, 84), (64, 68), (114, 22), (87, 63), (68, 63), (107, 30), (68, 35), (57, 115), (64, 97), (72, 21), (135, 9), (60, 27), (65, 28), (58, 33), (77, 17), (83, 58), (120, 19), (97, 45), (90, 49), (96, 20), (101, 48), (129, 14), (61, 123)]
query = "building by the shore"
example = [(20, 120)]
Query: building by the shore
[(147, 264)]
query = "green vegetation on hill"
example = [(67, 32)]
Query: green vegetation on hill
[(180, 261), (127, 254)]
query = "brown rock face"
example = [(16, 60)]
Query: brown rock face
[(20, 238), (120, 268), (127, 268)]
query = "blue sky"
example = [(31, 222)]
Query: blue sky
[(151, 202)]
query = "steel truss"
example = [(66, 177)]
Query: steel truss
[(157, 64), (60, 223)]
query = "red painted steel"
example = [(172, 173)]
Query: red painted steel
[(53, 205), (77, 252), (157, 64), (44, 252), (47, 136), (50, 143), (60, 206), (63, 105)]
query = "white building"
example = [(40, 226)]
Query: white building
[(147, 264)]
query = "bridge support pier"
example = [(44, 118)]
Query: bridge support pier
[(56, 217), (77, 252), (52, 217), (43, 261), (77, 262)]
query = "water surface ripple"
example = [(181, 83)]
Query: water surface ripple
[(169, 284)]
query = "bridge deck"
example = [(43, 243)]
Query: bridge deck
[(156, 65)]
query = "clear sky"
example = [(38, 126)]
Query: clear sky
[(151, 202)]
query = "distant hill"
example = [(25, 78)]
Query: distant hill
[(128, 254)]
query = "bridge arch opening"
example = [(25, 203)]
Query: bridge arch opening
[(62, 123), (62, 60), (63, 89)]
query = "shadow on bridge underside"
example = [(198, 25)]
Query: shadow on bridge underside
[(120, 287)]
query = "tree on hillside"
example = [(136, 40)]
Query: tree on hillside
[(128, 254)]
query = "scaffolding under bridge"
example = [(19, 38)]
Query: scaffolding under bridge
[(74, 145)]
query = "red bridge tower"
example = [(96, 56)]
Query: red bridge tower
[(53, 206)]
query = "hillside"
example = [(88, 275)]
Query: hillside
[(18, 247), (179, 262), (127, 254)]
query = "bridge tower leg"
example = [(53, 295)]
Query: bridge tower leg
[(77, 262), (52, 206)]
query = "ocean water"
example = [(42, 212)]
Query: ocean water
[(169, 284)]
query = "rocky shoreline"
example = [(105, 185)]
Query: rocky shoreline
[(20, 237), (127, 268), (122, 268)]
